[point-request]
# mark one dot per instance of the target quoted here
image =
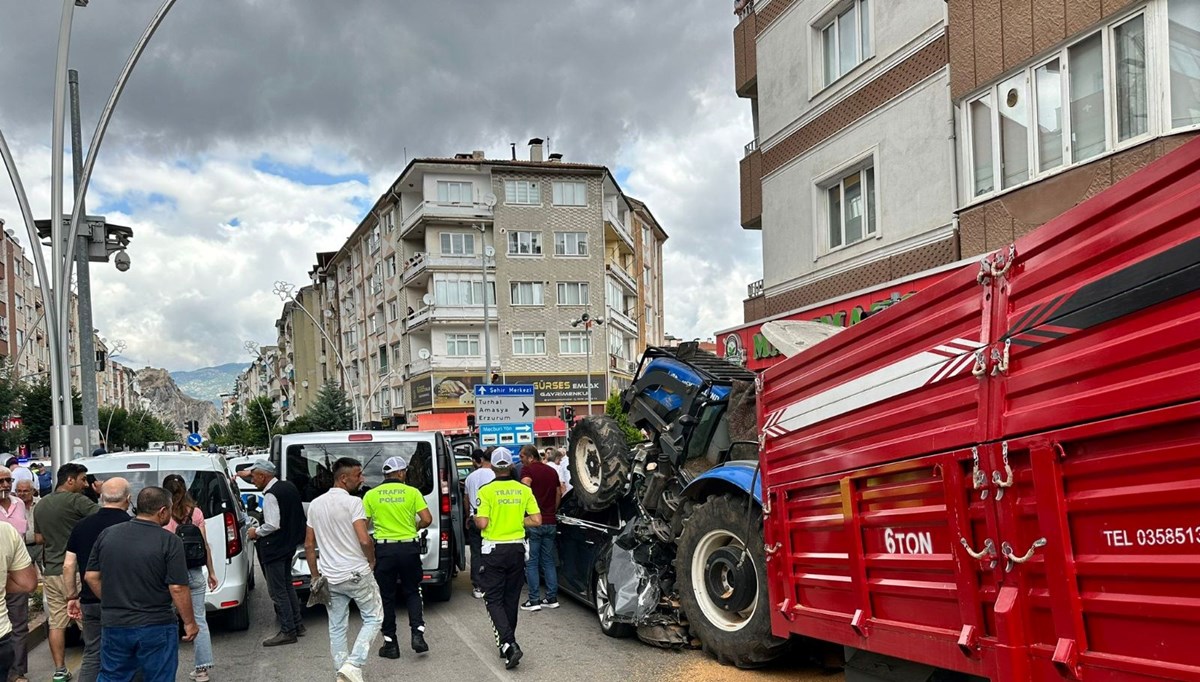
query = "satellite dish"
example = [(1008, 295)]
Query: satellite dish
[(427, 299), (489, 251), (489, 199), (792, 336), (423, 353)]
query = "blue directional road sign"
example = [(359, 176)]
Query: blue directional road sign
[(504, 414), (195, 440)]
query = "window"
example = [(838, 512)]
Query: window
[(309, 467), (851, 204), (1184, 40), (614, 295), (454, 192), (461, 290), (396, 355), (371, 284), (462, 345), (616, 344), (375, 362), (1088, 99), (572, 293), (846, 40), (645, 238), (397, 397), (527, 293), (390, 266), (529, 343), (524, 243), (573, 343), (20, 301), (373, 241), (458, 244), (570, 193), (570, 243), (389, 221), (383, 359), (393, 310), (522, 192), (373, 323)]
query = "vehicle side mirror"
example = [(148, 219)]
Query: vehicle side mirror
[(741, 450)]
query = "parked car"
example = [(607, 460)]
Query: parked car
[(225, 521), (584, 545), (306, 460)]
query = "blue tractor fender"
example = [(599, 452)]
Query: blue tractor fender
[(740, 476)]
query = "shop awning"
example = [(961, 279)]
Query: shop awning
[(452, 423), (549, 427)]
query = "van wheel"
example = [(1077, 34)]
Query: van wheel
[(441, 592), (238, 619)]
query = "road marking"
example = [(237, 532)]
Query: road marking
[(486, 655)]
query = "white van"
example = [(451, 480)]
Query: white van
[(306, 460), (225, 522)]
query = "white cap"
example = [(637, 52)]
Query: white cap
[(501, 457), (394, 464)]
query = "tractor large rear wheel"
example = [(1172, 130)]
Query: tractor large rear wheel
[(599, 462), (723, 583)]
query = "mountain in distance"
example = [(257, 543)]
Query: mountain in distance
[(208, 383)]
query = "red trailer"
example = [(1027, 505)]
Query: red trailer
[(1007, 484)]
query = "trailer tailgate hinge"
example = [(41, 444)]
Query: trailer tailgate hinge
[(1066, 658), (859, 623)]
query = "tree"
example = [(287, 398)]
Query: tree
[(37, 412), (262, 421), (10, 406), (330, 410), (613, 409)]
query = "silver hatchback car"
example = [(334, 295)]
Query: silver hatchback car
[(225, 520)]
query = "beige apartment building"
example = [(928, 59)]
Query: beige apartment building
[(544, 240)]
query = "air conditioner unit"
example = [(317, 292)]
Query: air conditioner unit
[(632, 365)]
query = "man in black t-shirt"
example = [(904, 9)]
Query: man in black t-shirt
[(82, 603), (138, 571)]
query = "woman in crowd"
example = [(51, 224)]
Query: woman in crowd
[(184, 511)]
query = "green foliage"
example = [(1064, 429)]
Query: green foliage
[(613, 409), (11, 400), (330, 411), (132, 430), (37, 411), (235, 430)]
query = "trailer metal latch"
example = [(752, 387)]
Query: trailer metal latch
[(989, 550), (1007, 550), (859, 622), (968, 640), (788, 609), (1007, 481), (978, 478), (1066, 658)]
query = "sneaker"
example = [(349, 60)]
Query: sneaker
[(278, 640), (390, 648), (512, 656), (531, 605), (61, 675), (349, 673), (477, 593), (199, 674), (550, 602), (418, 641)]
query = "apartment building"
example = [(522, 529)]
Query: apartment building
[(469, 259), (22, 331), (300, 345)]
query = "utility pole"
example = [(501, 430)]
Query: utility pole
[(487, 322), (87, 344)]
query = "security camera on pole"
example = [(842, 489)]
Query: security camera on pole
[(587, 321)]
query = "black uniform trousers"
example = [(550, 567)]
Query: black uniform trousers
[(398, 572), (501, 578), (475, 542)]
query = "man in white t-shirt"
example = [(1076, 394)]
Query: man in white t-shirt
[(476, 480), (337, 524)]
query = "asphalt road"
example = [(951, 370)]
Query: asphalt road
[(560, 645)]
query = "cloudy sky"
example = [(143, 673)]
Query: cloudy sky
[(254, 134)]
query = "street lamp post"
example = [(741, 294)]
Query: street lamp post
[(286, 292), (485, 253), (588, 321)]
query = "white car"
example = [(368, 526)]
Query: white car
[(252, 498), (225, 521)]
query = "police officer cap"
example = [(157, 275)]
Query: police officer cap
[(394, 464), (501, 457)]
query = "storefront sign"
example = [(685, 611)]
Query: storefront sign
[(421, 392), (457, 391)]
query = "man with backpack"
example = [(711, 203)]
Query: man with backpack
[(83, 604)]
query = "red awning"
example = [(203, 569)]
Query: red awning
[(549, 427), (446, 422)]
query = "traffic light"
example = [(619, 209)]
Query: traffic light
[(470, 422), (567, 413)]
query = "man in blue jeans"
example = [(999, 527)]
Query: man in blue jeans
[(544, 481), (138, 571)]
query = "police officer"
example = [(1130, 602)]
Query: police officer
[(398, 512), (506, 508)]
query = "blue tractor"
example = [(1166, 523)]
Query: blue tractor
[(687, 565)]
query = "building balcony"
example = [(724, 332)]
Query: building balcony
[(616, 228), (418, 268), (745, 53), (419, 366), (751, 188), (414, 223), (622, 322), (623, 278)]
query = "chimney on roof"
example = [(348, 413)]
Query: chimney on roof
[(462, 156), (477, 155), (535, 150), (556, 158)]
